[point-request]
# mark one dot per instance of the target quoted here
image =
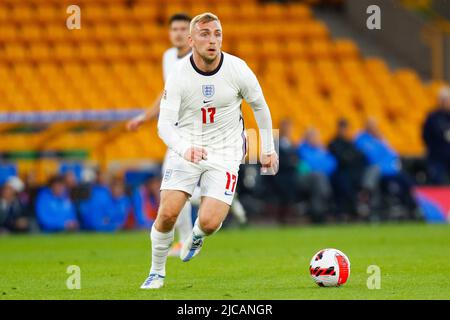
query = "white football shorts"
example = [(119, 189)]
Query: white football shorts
[(217, 177)]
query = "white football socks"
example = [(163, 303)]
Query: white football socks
[(160, 248), (198, 232), (238, 211)]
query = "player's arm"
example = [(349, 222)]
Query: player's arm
[(269, 158), (168, 118), (251, 91), (148, 115)]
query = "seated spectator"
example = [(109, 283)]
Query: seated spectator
[(94, 206), (54, 209), (145, 202), (316, 166), (12, 211), (284, 183), (354, 181), (121, 204), (105, 209), (76, 188), (377, 150), (314, 155), (71, 181), (393, 180), (29, 194), (436, 135)]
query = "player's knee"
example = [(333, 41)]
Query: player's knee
[(210, 226), (167, 216)]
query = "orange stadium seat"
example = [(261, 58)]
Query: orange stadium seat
[(298, 12), (345, 49), (22, 12), (48, 12)]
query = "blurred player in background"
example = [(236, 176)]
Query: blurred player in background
[(201, 122), (178, 34)]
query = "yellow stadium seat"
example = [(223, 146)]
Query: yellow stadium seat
[(144, 12), (94, 12), (104, 32), (48, 12), (273, 12), (319, 50), (91, 52), (23, 12), (4, 14), (40, 52), (270, 49), (118, 12), (56, 33), (346, 49), (226, 12), (298, 12), (247, 49), (65, 52), (316, 31), (250, 12), (16, 53), (201, 7)]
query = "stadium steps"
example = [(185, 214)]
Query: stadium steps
[(340, 27)]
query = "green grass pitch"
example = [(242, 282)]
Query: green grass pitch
[(254, 263)]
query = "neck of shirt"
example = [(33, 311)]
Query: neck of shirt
[(207, 73)]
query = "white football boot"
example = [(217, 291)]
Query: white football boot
[(154, 281), (191, 247)]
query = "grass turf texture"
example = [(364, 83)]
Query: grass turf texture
[(256, 263)]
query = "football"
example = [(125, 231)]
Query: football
[(330, 268)]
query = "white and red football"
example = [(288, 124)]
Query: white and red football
[(330, 268)]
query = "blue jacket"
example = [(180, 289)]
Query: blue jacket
[(54, 212), (142, 204), (101, 212), (379, 153), (317, 159)]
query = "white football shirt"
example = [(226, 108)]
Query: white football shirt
[(205, 107), (170, 58)]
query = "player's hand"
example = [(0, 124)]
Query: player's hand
[(195, 154), (135, 123), (269, 163)]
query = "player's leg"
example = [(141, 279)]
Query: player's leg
[(162, 235), (179, 181), (211, 214), (217, 190), (183, 227), (181, 221), (238, 211)]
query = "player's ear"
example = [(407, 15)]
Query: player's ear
[(190, 41)]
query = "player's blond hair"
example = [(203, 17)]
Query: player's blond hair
[(202, 18)]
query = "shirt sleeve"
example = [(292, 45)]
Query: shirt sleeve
[(252, 93), (249, 86), (165, 66), (169, 115)]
